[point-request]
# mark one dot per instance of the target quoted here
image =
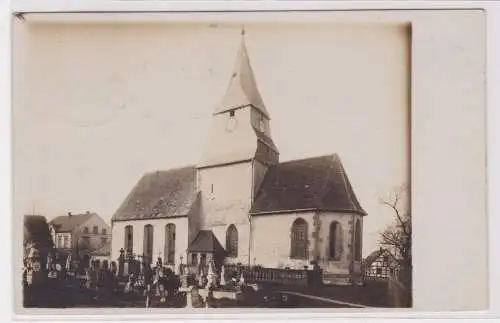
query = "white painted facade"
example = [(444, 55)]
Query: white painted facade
[(181, 243)]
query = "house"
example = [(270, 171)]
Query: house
[(82, 234), (381, 264), (240, 204)]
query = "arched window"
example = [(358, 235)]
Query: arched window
[(147, 249), (232, 241), (170, 244), (335, 241), (357, 241), (299, 240), (129, 239)]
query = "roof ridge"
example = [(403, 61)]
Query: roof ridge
[(307, 158), (170, 169)]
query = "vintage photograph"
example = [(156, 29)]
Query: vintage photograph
[(213, 165)]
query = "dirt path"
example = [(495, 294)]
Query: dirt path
[(327, 300)]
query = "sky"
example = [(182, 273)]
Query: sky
[(97, 106)]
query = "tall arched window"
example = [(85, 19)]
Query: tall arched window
[(299, 240), (170, 244), (357, 241), (232, 241), (335, 241), (129, 239), (148, 242)]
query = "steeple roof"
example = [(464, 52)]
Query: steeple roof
[(242, 90)]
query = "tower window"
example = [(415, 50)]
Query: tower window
[(231, 113)]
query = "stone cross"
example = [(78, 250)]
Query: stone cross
[(222, 276), (211, 276)]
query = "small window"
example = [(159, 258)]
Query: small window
[(231, 113), (391, 270), (95, 229), (103, 231), (194, 259), (212, 189), (386, 258), (104, 240), (379, 271), (86, 230)]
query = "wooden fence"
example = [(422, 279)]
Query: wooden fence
[(257, 274)]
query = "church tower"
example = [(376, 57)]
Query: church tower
[(237, 153)]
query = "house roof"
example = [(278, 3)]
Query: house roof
[(377, 254), (242, 90), (160, 194), (318, 183), (68, 223), (206, 242)]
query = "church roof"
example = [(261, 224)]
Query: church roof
[(68, 223), (318, 183), (206, 242), (242, 90), (160, 194)]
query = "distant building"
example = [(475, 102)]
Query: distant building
[(85, 234), (381, 264)]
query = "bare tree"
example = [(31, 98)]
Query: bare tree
[(398, 235)]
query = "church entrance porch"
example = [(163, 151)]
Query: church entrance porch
[(204, 249)]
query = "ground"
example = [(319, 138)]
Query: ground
[(374, 294)]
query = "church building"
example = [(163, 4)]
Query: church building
[(240, 204)]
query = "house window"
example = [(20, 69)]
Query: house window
[(86, 230), (170, 243), (65, 242), (232, 241), (391, 270), (103, 231), (148, 242), (104, 240), (335, 245), (60, 242), (231, 113), (299, 240), (129, 238), (95, 229), (194, 258), (357, 241), (379, 271)]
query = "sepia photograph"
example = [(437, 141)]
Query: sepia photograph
[(213, 163)]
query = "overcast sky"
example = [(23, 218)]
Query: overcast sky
[(96, 106)]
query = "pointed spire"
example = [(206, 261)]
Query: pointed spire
[(242, 90)]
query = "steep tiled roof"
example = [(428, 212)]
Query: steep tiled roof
[(160, 194), (205, 241), (242, 90), (318, 183), (67, 223)]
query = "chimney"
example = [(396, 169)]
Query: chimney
[(88, 212), (69, 213)]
